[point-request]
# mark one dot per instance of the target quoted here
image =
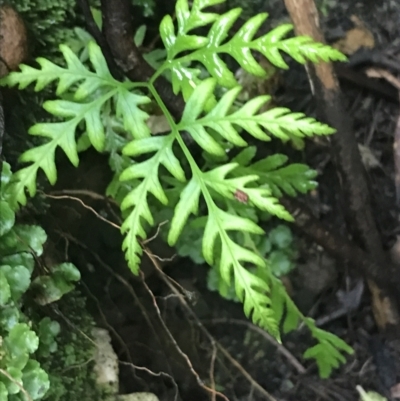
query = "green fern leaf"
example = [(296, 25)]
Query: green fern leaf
[(188, 203), (327, 352), (127, 106), (228, 222), (48, 73), (166, 157), (292, 179), (301, 48), (262, 199), (60, 134), (64, 133), (304, 48), (216, 181), (194, 107), (142, 146), (271, 163), (250, 289), (244, 157), (240, 45), (176, 44), (24, 178), (41, 157), (227, 187), (216, 121), (67, 77), (133, 224), (204, 139), (209, 55), (184, 79), (257, 305), (147, 172), (283, 306), (278, 121), (269, 45), (91, 98), (327, 358), (189, 20), (207, 49)]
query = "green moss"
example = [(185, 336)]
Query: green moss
[(49, 23), (70, 367)]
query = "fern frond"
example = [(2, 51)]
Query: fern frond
[(250, 289), (301, 48), (132, 226), (92, 93), (259, 197), (291, 180), (216, 180), (241, 44), (127, 106), (188, 203), (284, 307), (194, 18), (67, 77), (328, 351), (262, 199), (278, 121), (194, 107), (137, 198), (165, 155), (185, 79), (207, 50), (256, 304), (188, 19)]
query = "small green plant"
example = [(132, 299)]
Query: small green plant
[(71, 366), (369, 395), (21, 374), (222, 197)]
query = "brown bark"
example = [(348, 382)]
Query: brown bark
[(122, 55), (118, 29), (13, 40), (356, 196)]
